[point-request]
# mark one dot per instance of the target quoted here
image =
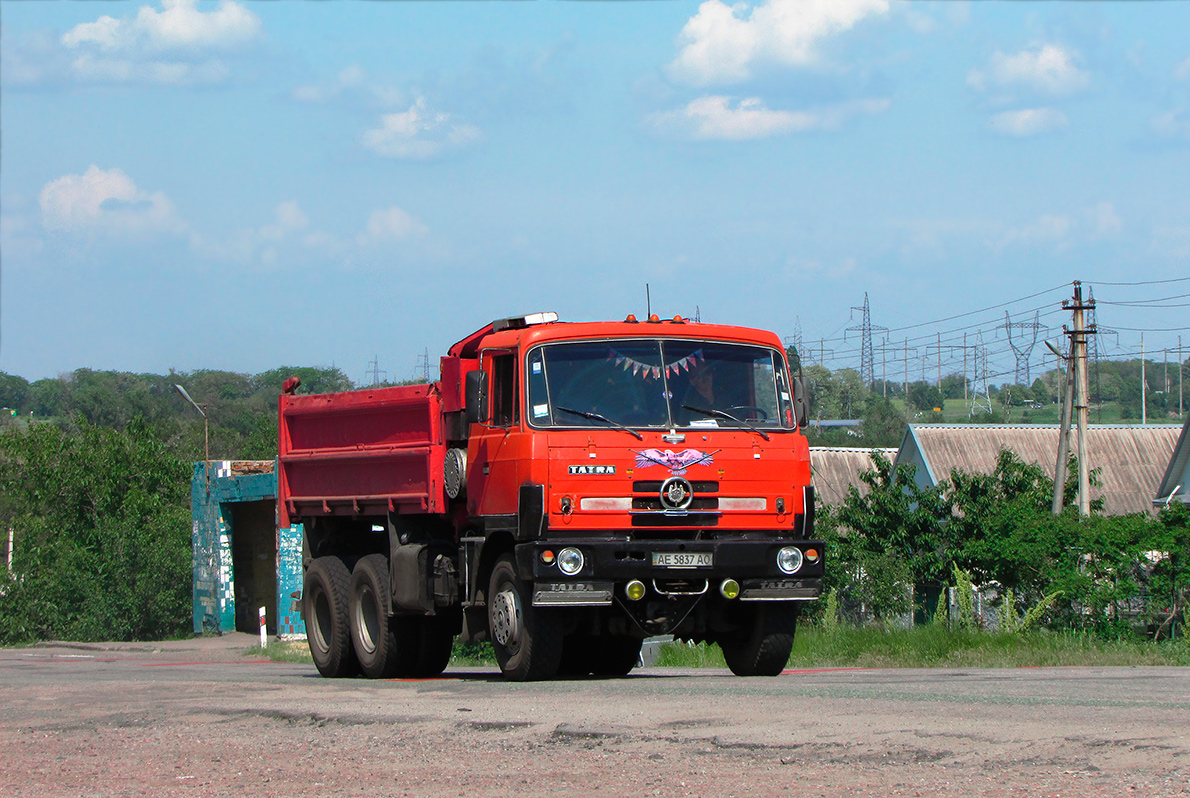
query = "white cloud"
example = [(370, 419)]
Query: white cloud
[(388, 225), (1103, 220), (1048, 229), (1182, 70), (352, 81), (724, 44), (170, 46), (1049, 69), (179, 25), (105, 202), (289, 219), (714, 117), (1029, 122), (1172, 125), (1063, 230), (419, 134)]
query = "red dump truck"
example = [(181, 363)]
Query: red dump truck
[(565, 491)]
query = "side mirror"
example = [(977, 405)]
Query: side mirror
[(801, 402), (477, 397)]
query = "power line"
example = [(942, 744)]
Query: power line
[(1147, 282)]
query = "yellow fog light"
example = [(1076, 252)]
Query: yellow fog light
[(635, 590), (729, 588)]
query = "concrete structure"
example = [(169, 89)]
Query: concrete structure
[(1175, 485), (242, 561), (835, 469), (1129, 458)]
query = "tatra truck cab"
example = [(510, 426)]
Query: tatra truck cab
[(565, 491)]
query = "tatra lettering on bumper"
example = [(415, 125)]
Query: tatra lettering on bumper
[(572, 594)]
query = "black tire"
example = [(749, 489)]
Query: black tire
[(527, 641), (436, 639), (372, 634), (325, 611), (615, 655), (576, 655), (762, 647)]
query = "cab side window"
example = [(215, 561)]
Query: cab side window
[(504, 391)]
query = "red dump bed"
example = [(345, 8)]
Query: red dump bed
[(361, 453)]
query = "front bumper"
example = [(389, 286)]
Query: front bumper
[(608, 565)]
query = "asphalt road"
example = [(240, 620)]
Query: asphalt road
[(203, 718)]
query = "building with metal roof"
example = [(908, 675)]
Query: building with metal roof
[(1174, 485), (834, 469), (1130, 458)]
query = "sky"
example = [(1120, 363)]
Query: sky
[(242, 185)]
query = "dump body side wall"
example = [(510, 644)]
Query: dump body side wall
[(361, 453)]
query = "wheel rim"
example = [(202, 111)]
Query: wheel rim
[(367, 618), (506, 618)]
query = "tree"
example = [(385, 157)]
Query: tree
[(954, 386), (102, 526), (13, 391), (884, 425), (924, 396)]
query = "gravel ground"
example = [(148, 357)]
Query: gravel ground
[(203, 718)]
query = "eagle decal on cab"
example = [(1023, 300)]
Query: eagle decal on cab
[(676, 462)]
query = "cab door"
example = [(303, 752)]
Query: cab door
[(492, 450)]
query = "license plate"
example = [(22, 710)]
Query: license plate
[(683, 559)]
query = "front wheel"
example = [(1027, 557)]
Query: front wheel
[(764, 642), (527, 641)]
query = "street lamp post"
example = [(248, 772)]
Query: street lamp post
[(206, 436), (206, 471)]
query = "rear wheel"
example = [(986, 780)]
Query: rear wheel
[(762, 646), (527, 641), (325, 611), (377, 647)]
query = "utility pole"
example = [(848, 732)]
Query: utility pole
[(1067, 399), (1180, 370), (1144, 401), (964, 368), (884, 368), (1078, 350), (940, 361), (905, 387)]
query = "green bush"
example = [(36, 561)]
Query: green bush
[(101, 522)]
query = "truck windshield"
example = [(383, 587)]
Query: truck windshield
[(660, 383)]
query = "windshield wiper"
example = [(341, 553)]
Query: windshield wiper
[(729, 417), (604, 419)]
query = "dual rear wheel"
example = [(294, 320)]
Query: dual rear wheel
[(350, 629)]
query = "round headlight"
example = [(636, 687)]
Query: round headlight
[(789, 559), (635, 590), (570, 560)]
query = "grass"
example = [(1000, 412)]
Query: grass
[(282, 651), (939, 647)]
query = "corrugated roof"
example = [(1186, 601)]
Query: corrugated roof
[(1132, 459), (1173, 484), (835, 469)]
